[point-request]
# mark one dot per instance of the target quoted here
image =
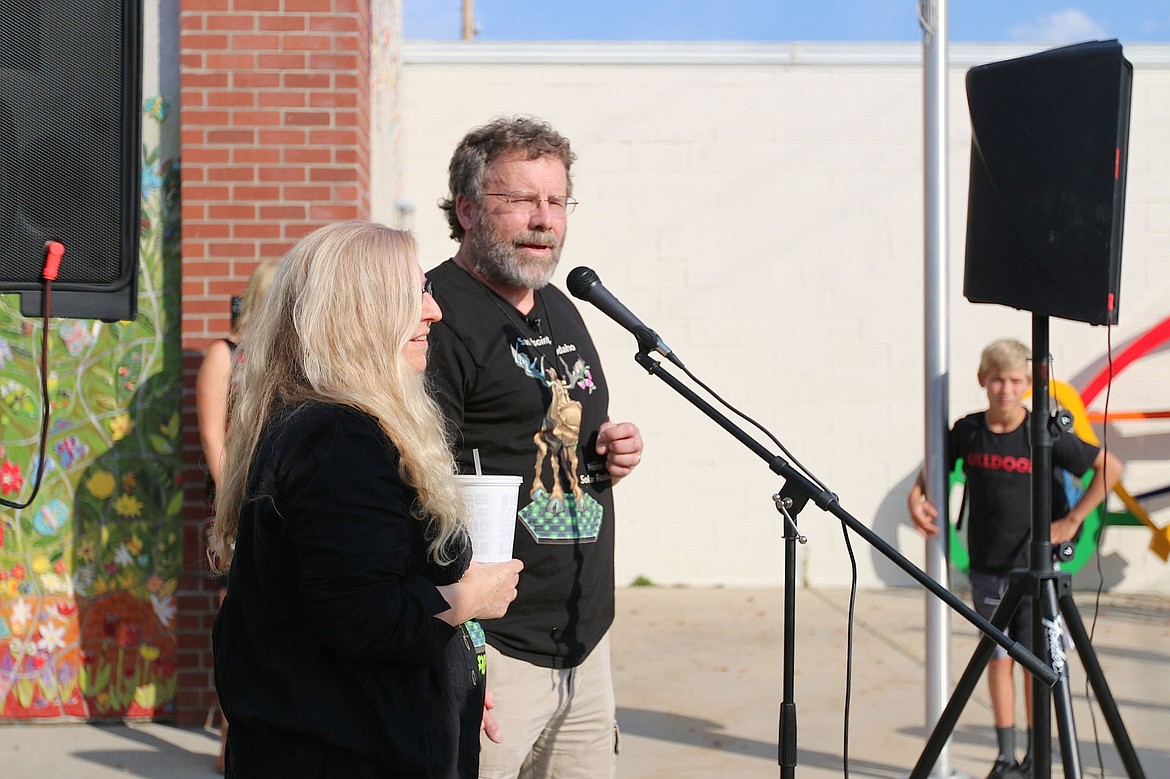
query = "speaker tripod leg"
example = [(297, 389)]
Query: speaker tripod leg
[(969, 680), (1076, 628), (1062, 692)]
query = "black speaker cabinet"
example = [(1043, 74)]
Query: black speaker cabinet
[(1049, 138), (70, 126)]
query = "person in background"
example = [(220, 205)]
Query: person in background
[(212, 385), (517, 375), (215, 374), (341, 648), (997, 460)]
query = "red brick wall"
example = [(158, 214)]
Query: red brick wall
[(275, 142)]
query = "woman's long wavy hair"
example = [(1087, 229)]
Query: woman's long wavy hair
[(340, 309)]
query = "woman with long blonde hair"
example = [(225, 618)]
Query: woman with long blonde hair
[(341, 648)]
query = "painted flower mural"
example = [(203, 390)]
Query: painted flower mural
[(88, 572)]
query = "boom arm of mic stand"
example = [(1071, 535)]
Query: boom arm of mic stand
[(802, 486)]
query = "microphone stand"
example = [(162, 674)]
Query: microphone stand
[(797, 491)]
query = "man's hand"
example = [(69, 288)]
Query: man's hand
[(621, 445)]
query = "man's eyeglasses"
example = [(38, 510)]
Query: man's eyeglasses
[(428, 288), (527, 202)]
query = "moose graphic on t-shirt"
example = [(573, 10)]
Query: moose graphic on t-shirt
[(557, 438), (559, 514)]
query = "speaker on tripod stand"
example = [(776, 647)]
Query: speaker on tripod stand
[(1046, 201), (70, 115), (1049, 139)]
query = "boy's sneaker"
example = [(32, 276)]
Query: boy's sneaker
[(1024, 768), (1003, 769)]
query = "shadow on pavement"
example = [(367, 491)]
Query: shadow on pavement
[(153, 757), (707, 734)]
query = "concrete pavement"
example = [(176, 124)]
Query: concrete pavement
[(698, 675)]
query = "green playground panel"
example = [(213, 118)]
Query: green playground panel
[(1084, 548)]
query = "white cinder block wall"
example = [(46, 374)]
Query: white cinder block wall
[(761, 206)]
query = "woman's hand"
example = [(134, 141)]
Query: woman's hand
[(496, 586), (484, 592), (490, 727)]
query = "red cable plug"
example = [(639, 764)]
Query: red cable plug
[(54, 251)]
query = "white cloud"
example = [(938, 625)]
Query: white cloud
[(1070, 25)]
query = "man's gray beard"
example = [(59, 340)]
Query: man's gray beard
[(499, 262)]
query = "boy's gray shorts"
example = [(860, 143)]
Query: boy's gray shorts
[(987, 590)]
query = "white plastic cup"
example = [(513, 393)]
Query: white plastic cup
[(491, 505)]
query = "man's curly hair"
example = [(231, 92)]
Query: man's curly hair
[(521, 136)]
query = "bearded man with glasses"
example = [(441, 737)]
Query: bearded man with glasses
[(519, 379)]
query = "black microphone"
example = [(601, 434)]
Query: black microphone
[(584, 284)]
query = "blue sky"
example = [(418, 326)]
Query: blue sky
[(984, 21)]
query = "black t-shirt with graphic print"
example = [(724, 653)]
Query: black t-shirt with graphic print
[(998, 467), (501, 380)]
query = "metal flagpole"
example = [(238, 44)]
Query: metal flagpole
[(932, 16)]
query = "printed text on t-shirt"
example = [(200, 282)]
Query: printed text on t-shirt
[(998, 462)]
